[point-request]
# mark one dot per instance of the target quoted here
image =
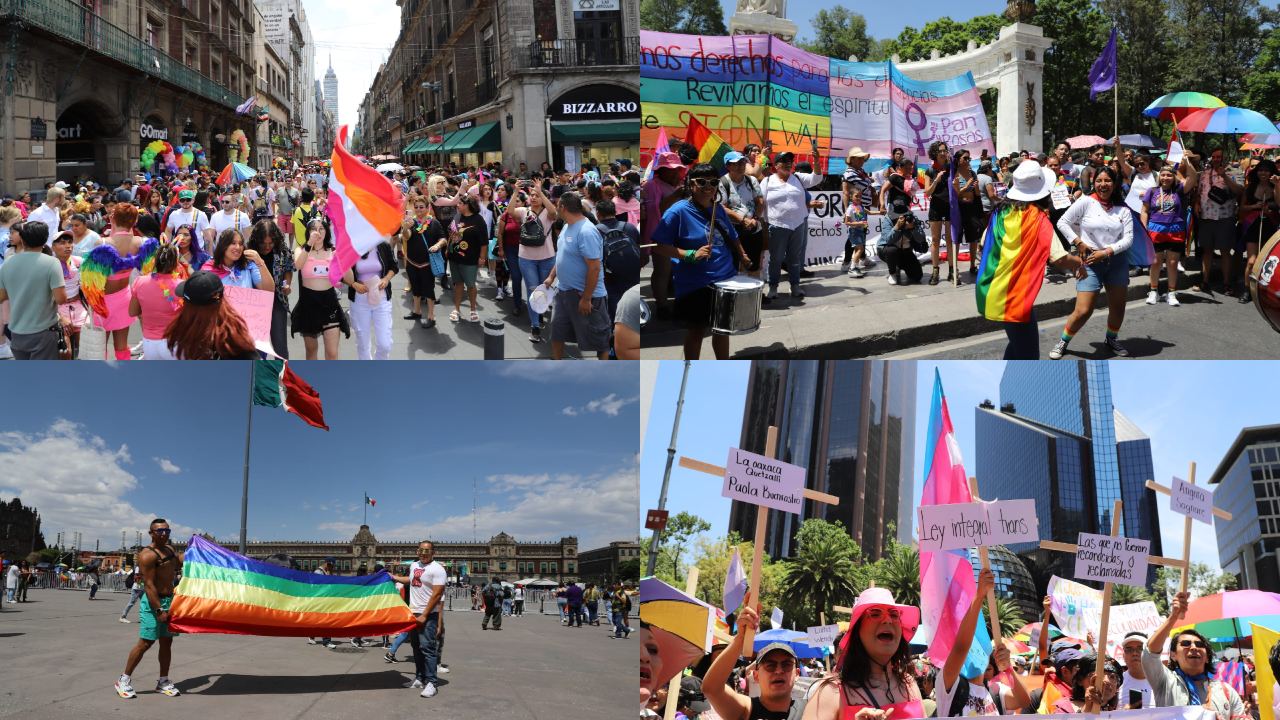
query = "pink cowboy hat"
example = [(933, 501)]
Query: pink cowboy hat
[(881, 597), (669, 160)]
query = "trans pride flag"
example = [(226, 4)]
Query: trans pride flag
[(223, 592), (947, 586), (364, 207)]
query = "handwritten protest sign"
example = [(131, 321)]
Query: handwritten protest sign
[(255, 307), (966, 525), (1194, 501), (822, 635), (1107, 558), (1077, 610), (761, 480)]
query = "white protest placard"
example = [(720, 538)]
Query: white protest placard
[(1077, 610), (965, 525), (822, 635), (1060, 196), (761, 480), (1115, 559), (254, 306), (1194, 501), (1140, 617)]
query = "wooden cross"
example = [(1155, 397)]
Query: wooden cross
[(1099, 675), (992, 613), (762, 515), (1186, 528)]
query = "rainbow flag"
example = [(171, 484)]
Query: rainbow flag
[(947, 585), (364, 207), (1013, 258), (223, 592), (711, 149)]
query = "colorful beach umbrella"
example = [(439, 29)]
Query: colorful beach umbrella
[(1176, 106), (1085, 141), (1226, 120), (235, 173), (1232, 604), (680, 625)]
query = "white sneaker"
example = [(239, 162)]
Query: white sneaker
[(893, 278), (429, 690), (312, 641), (124, 689), (1172, 299), (442, 669), (6, 352), (857, 273), (415, 684), (1153, 297), (124, 619), (167, 688)]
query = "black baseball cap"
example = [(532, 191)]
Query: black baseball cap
[(202, 288), (784, 158)]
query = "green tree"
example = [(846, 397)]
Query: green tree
[(1144, 54), (712, 557), (1216, 42), (945, 35), (839, 33), (825, 571), (691, 17), (1262, 83), (1011, 620), (681, 529), (1126, 594), (1079, 31), (1202, 580), (629, 570)]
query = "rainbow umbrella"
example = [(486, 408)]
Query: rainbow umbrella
[(1232, 604), (1226, 120), (235, 173), (1176, 106), (680, 625), (1085, 141), (1264, 140), (1260, 145)]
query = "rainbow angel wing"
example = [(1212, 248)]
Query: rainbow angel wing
[(98, 265), (145, 259)]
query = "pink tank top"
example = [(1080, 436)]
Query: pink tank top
[(905, 710), (315, 269)]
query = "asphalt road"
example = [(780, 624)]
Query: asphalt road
[(61, 653)]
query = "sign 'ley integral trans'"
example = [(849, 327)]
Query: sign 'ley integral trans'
[(965, 525), (761, 480), (1112, 559)]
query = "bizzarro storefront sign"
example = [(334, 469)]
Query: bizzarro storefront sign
[(596, 102)]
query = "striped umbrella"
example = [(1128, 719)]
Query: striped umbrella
[(1176, 106), (1226, 120), (681, 626), (1085, 141), (235, 173)]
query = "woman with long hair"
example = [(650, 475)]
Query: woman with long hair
[(317, 314), (238, 266), (190, 254), (156, 301), (1164, 214), (270, 244), (1100, 228), (207, 328), (507, 247), (155, 206), (369, 293), (536, 258), (873, 666), (940, 210), (973, 221), (1259, 214), (72, 312)]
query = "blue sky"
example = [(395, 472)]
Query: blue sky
[(883, 21), (552, 448), (1170, 401)]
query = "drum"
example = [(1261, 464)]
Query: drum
[(1264, 281), (737, 305)]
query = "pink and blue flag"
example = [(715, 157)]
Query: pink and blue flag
[(947, 585), (364, 207), (735, 583), (663, 145), (1232, 673)]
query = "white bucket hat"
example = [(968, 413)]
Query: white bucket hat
[(1031, 181)]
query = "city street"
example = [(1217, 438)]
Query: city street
[(61, 654)]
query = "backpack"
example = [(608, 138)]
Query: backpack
[(621, 256), (309, 215), (532, 233), (961, 698), (491, 594), (128, 581)]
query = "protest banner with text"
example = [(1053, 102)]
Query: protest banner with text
[(1108, 558), (967, 525)]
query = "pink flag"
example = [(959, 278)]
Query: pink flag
[(663, 145), (364, 207), (947, 587)]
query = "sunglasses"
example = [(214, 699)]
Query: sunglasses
[(161, 531), (702, 182), (878, 614), (1192, 643), (185, 200)]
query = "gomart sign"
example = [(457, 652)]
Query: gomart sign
[(151, 132)]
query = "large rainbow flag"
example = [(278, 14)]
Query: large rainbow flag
[(1013, 258), (364, 207), (224, 592), (711, 148)]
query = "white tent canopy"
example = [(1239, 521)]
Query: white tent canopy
[(535, 582)]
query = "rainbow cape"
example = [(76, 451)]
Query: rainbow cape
[(1014, 254), (364, 207), (104, 261), (711, 149), (223, 592)]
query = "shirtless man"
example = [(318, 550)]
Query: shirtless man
[(160, 564)]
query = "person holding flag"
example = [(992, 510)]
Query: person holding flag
[(975, 696), (1164, 214)]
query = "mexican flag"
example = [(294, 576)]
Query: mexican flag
[(275, 385)]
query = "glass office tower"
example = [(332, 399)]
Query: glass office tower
[(1057, 438), (851, 424), (1248, 487)]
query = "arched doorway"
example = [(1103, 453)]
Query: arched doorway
[(81, 143)]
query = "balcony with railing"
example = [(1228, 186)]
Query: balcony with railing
[(76, 24), (579, 53)]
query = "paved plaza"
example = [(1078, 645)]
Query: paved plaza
[(60, 653)]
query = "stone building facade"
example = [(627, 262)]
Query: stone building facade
[(602, 565)]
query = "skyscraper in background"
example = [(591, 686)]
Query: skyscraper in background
[(331, 92), (1057, 438), (851, 424), (1248, 485)]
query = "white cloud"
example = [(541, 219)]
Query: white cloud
[(341, 530), (610, 405), (77, 482), (167, 466), (579, 372), (597, 509)]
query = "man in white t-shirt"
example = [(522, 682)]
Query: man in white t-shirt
[(426, 580), (230, 217), (1135, 678), (187, 214)]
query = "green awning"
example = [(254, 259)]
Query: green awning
[(627, 130), (428, 146), (411, 147), (455, 139), (481, 138)]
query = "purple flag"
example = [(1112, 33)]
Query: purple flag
[(735, 583), (246, 107), (1102, 76)]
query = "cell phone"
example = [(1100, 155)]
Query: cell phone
[(1135, 699)]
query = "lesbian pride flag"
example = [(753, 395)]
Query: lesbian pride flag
[(364, 207), (947, 585), (223, 592)]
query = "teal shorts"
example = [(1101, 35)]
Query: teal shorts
[(148, 628)]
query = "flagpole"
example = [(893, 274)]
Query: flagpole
[(666, 476), (366, 509), (244, 495)]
